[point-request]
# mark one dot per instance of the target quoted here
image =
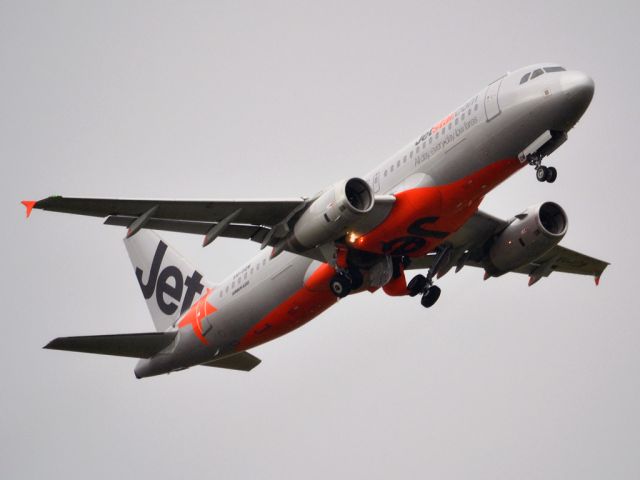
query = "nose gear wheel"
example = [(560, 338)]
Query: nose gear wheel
[(543, 174)]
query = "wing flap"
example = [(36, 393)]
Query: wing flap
[(242, 361), (136, 345)]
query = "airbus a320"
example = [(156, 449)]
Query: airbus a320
[(418, 210)]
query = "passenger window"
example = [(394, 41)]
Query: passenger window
[(456, 122), (536, 73), (411, 154), (554, 69), (404, 159), (476, 107), (391, 168), (398, 163), (385, 173), (525, 78), (430, 139)]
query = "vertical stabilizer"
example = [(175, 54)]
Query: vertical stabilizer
[(169, 283)]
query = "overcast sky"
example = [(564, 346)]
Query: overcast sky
[(212, 99)]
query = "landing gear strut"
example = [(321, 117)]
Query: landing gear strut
[(543, 174)]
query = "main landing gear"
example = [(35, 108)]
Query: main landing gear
[(424, 285), (543, 174), (345, 281)]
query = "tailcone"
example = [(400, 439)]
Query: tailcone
[(150, 367)]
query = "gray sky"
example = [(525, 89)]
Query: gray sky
[(230, 99)]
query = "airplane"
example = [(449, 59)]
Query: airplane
[(418, 210)]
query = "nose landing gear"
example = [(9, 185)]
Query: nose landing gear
[(543, 174)]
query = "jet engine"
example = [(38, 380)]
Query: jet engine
[(331, 214), (530, 234)]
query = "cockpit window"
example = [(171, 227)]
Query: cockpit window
[(554, 69), (536, 73), (525, 78)]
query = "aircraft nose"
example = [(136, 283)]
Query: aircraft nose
[(579, 88)]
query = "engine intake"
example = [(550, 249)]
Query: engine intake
[(331, 214), (530, 235)]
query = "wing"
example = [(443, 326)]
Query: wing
[(266, 221), (468, 247), (248, 219)]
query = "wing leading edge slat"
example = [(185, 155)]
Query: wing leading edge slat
[(254, 212)]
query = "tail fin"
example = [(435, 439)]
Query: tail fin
[(169, 283)]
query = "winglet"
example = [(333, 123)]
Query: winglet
[(29, 204)]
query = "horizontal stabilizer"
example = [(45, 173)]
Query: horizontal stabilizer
[(239, 361), (137, 345)]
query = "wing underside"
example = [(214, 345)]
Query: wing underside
[(468, 248), (266, 221)]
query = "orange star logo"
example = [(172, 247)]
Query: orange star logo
[(196, 313)]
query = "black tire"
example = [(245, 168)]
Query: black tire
[(542, 173), (356, 278), (416, 285), (552, 174), (340, 286), (431, 296)]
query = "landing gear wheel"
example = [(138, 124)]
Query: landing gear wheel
[(542, 173), (356, 278), (430, 296), (552, 174), (416, 285), (340, 285)]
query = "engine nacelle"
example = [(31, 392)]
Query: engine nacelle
[(530, 235), (331, 214)]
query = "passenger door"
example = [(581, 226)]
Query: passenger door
[(491, 105)]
